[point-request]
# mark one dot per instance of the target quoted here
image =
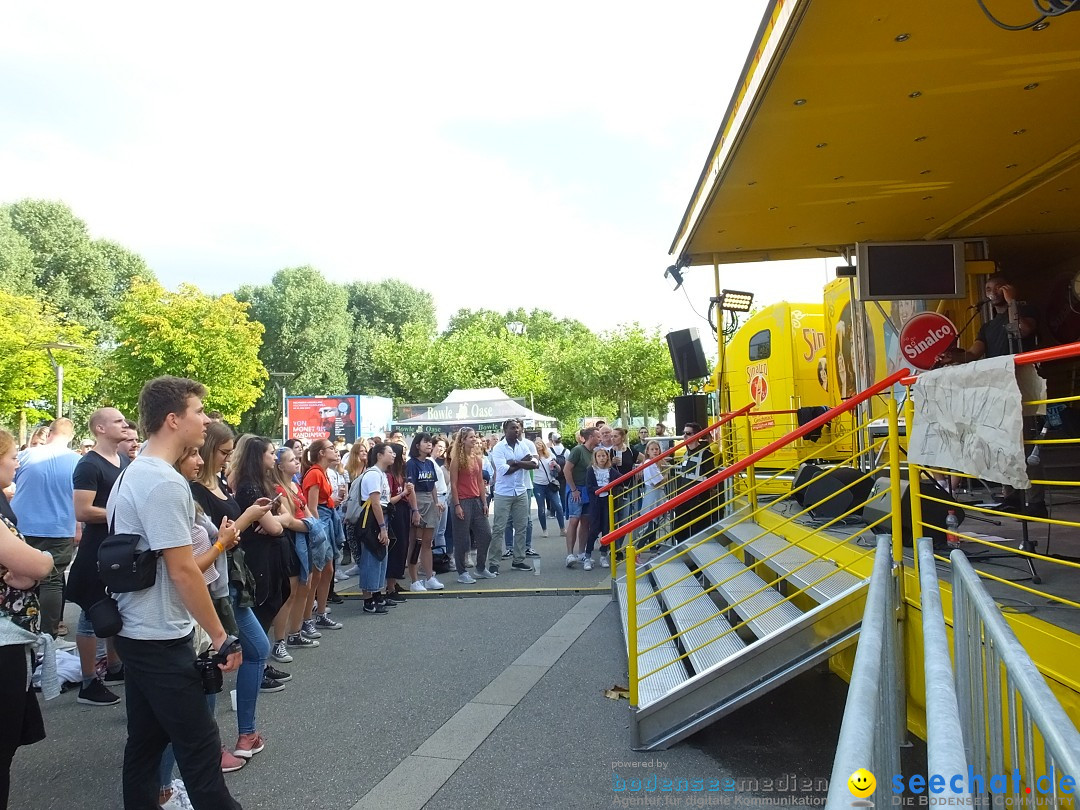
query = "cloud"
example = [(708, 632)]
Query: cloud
[(497, 155)]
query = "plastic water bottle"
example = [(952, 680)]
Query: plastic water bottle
[(951, 525), (536, 566)]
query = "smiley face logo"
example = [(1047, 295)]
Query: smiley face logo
[(861, 783)]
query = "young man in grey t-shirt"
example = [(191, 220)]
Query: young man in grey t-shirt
[(165, 698)]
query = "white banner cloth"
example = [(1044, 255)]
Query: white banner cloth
[(970, 418)]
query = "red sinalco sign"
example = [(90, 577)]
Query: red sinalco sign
[(924, 337)]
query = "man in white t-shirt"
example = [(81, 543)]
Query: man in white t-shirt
[(165, 698)]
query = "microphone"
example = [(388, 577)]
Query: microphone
[(980, 302)]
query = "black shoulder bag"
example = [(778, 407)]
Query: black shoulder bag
[(122, 568)]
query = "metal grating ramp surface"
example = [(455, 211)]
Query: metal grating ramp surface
[(833, 581), (766, 611), (672, 671), (699, 623)]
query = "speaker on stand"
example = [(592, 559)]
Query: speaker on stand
[(687, 357)]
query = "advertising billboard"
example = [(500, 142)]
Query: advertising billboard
[(313, 418), (347, 416)]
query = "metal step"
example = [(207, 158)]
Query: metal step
[(833, 581), (765, 612), (698, 621), (665, 658)]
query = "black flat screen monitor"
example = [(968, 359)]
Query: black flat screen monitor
[(900, 271)]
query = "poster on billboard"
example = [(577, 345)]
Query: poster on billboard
[(331, 417), (374, 415)]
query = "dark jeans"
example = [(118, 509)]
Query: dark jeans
[(473, 528), (165, 702)]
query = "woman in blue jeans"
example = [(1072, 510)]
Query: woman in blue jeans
[(546, 488), (256, 647)]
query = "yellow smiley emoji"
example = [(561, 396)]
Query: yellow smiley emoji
[(861, 783)]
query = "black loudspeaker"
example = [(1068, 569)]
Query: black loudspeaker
[(933, 512), (826, 497), (805, 473), (687, 356), (691, 408)]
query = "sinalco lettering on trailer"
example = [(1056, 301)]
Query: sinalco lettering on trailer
[(815, 342), (924, 337)]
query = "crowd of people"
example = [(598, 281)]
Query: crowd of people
[(248, 540)]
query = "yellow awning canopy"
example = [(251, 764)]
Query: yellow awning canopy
[(895, 120)]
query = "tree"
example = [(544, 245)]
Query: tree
[(27, 378), (187, 334), (382, 309), (84, 279), (307, 335), (632, 364)]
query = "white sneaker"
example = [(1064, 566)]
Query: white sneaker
[(434, 585), (570, 560), (587, 565), (604, 563), (466, 579), (179, 799), (351, 572), (339, 575), (418, 587), (545, 531), (470, 560)]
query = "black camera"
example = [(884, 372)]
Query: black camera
[(212, 677), (207, 665)]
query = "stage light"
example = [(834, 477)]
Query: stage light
[(735, 301)]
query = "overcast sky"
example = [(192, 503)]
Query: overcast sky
[(496, 154)]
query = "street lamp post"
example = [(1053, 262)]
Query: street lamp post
[(285, 377), (58, 368)]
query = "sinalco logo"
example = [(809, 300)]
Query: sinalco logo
[(862, 784)]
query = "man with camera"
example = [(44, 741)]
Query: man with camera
[(165, 693)]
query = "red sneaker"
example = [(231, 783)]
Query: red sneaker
[(248, 745), (230, 763)]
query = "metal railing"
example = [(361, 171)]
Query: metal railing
[(987, 652), (711, 514), (870, 734), (944, 734)]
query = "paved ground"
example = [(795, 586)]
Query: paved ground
[(376, 691)]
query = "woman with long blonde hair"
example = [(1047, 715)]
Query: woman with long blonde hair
[(468, 506)]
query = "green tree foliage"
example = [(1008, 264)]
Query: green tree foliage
[(632, 364), (83, 278), (382, 309), (26, 375), (187, 334), (566, 370), (308, 329)]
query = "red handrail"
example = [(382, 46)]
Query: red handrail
[(754, 457), (1063, 352), (773, 413), (723, 420)]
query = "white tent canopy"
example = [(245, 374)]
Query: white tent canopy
[(483, 409)]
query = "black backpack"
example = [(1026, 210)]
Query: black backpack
[(560, 475)]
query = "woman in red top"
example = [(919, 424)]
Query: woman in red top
[(292, 510), (468, 506), (319, 492)]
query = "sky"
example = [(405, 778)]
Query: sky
[(498, 155)]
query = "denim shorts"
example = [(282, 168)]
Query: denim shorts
[(577, 508), (84, 628)]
